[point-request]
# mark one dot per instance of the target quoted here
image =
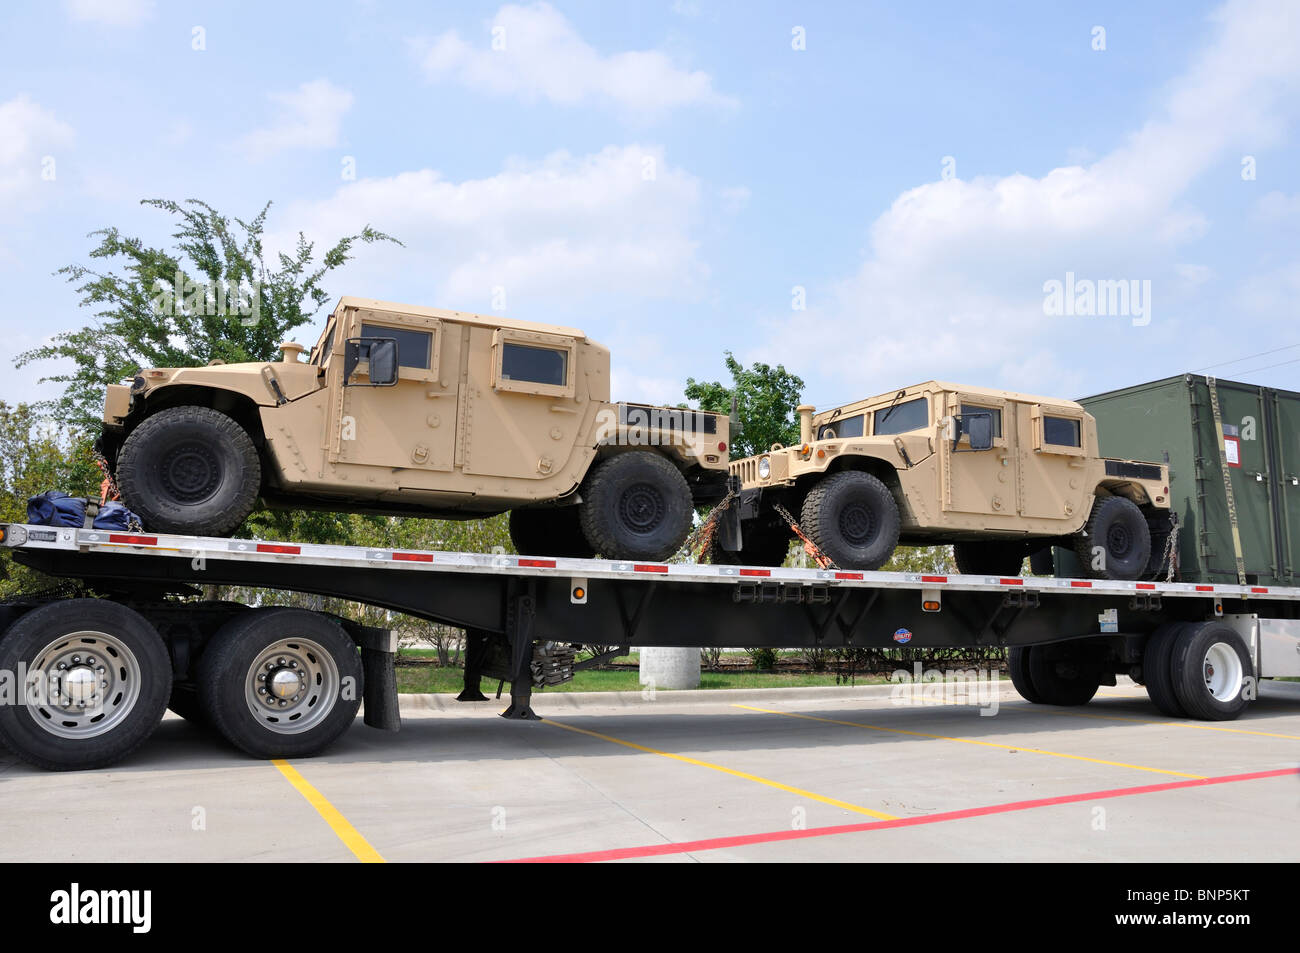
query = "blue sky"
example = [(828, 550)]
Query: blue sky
[(667, 175)]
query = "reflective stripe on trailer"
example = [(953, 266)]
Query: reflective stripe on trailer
[(328, 554)]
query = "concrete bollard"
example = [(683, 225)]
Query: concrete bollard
[(670, 668)]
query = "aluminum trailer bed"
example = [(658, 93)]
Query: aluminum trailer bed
[(237, 667)]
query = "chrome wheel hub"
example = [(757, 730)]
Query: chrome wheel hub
[(82, 685), (292, 686)]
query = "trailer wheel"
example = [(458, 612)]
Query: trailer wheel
[(189, 470), (989, 557), (280, 683), (636, 505), (1116, 541), (1211, 668), (96, 684), (853, 519), (1065, 673), (549, 531), (1157, 671), (1018, 669), (763, 544)]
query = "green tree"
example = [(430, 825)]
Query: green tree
[(210, 295), (36, 456), (766, 397)]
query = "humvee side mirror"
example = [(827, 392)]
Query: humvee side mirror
[(978, 427), (381, 356)]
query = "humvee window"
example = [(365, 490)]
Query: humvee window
[(413, 347), (909, 415), (537, 365), (976, 409), (1062, 431), (848, 427)]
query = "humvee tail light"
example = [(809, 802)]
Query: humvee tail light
[(722, 447)]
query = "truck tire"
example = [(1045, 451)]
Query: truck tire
[(549, 531), (1120, 530), (636, 505), (1018, 668), (763, 544), (1065, 673), (853, 519), (1157, 673), (280, 683), (1211, 668), (189, 470), (989, 557), (83, 650)]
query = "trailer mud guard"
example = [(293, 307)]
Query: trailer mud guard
[(378, 652)]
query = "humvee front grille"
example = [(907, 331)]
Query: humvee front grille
[(747, 470)]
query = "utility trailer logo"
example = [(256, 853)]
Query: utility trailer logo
[(100, 907), (902, 636)]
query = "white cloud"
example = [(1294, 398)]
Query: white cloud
[(550, 233), (110, 12), (952, 282), (534, 53), (1278, 207), (31, 137), (309, 117)]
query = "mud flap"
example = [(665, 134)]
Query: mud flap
[(378, 653)]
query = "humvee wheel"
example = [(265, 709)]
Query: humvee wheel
[(1116, 542), (280, 683), (189, 470), (991, 557), (853, 519), (549, 531), (636, 505)]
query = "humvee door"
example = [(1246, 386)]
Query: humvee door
[(410, 421)]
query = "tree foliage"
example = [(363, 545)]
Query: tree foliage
[(210, 295), (766, 397), (36, 456)]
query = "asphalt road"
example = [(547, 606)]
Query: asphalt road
[(807, 775)]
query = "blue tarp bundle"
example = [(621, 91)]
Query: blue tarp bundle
[(56, 508)]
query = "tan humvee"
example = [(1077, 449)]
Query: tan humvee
[(999, 474), (401, 409)]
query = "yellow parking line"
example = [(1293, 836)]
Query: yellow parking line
[(1037, 709), (350, 836), (844, 805), (972, 741)]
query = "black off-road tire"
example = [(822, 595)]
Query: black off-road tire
[(226, 678), (764, 544), (636, 505), (1157, 671), (989, 557), (1018, 668), (549, 531), (189, 470), (140, 683), (1120, 529), (1066, 673), (1200, 654), (853, 519)]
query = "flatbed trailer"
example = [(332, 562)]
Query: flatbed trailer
[(90, 678)]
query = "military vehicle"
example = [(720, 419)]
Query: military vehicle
[(999, 475), (407, 410)]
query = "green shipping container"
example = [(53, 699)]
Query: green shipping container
[(1172, 420)]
